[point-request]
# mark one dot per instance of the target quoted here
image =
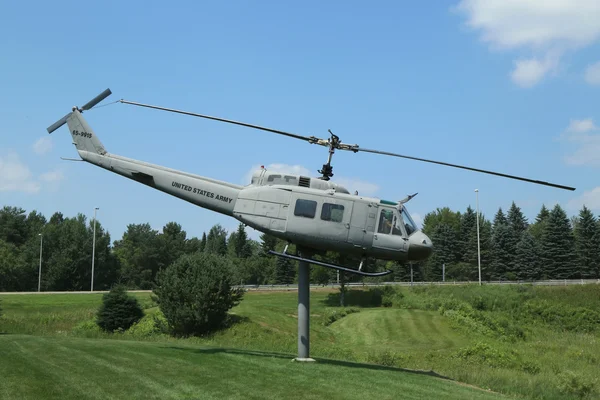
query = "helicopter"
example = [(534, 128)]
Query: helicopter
[(312, 213)]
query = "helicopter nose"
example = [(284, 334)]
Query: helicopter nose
[(419, 246)]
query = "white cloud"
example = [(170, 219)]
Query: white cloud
[(15, 176), (52, 176), (529, 72), (43, 145), (544, 29), (352, 184), (583, 134), (592, 74), (591, 199), (363, 188), (581, 125)]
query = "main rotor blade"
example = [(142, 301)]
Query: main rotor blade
[(96, 99), (310, 139), (467, 168)]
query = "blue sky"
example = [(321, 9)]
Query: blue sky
[(501, 85)]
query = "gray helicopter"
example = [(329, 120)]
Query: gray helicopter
[(312, 213)]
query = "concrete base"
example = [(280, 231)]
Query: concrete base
[(304, 359)]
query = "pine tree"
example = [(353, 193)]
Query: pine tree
[(242, 244), (445, 243), (203, 242), (558, 246), (528, 258), (587, 241), (216, 241), (537, 228), (499, 218), (518, 224), (284, 271), (501, 257), (268, 243), (468, 237)]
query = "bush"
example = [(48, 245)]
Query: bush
[(118, 310), (195, 293)]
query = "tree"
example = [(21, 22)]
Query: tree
[(528, 258), (203, 242), (196, 292), (285, 271), (500, 218), (242, 246), (501, 257), (558, 246), (13, 228), (118, 310), (537, 228), (216, 241), (139, 255), (171, 244), (587, 243), (468, 237), (268, 243), (517, 224), (445, 242)]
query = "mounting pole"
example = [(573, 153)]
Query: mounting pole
[(303, 308)]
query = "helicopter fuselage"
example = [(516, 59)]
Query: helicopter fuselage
[(308, 212)]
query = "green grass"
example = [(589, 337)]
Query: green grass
[(73, 368), (522, 341)]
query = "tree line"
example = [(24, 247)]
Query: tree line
[(551, 247)]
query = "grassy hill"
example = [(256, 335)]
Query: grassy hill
[(528, 342)]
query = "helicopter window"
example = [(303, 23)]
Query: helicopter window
[(332, 212), (409, 224), (305, 208), (289, 178), (271, 178), (396, 227), (385, 221)]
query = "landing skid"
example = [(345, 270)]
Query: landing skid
[(333, 266)]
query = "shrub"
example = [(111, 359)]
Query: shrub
[(195, 293), (338, 314), (571, 383), (118, 310), (151, 325)]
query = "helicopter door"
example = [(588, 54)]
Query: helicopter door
[(335, 219), (389, 235)]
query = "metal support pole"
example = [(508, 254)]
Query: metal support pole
[(411, 275), (40, 270), (443, 272), (303, 309), (93, 250), (478, 246)]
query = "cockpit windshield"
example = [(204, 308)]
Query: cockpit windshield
[(409, 224)]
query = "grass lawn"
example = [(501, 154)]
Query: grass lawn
[(36, 367), (534, 343)]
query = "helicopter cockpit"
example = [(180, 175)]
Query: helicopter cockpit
[(396, 223)]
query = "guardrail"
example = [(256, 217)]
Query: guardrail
[(294, 287)]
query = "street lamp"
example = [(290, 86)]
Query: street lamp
[(93, 249), (478, 247), (40, 270)]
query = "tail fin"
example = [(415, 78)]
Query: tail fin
[(84, 137)]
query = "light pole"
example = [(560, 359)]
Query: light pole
[(40, 271), (93, 249), (478, 247)]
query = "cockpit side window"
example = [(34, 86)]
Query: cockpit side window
[(386, 219)]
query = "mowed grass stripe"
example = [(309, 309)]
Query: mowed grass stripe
[(69, 368), (396, 330)]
